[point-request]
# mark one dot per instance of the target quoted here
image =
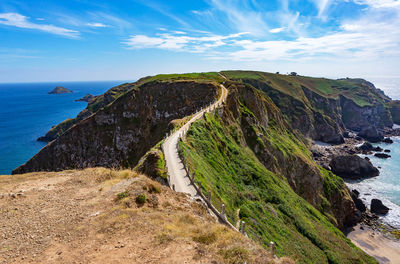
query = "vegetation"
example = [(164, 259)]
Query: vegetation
[(272, 211), (357, 90), (140, 199)]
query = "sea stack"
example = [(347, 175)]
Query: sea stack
[(60, 90)]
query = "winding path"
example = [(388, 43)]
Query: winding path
[(178, 177)]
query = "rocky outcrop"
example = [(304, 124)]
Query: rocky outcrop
[(371, 134), (387, 140), (121, 133), (352, 167), (377, 207), (60, 90), (357, 201), (395, 111), (86, 98), (357, 118), (382, 155)]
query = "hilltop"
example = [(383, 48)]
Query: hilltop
[(95, 216), (252, 154)]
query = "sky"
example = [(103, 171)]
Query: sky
[(82, 40)]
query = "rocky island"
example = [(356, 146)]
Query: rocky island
[(87, 98), (253, 155), (60, 90)]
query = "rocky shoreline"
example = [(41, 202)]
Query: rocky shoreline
[(345, 157)]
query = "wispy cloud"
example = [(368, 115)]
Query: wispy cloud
[(21, 21), (97, 25), (181, 42), (277, 30)]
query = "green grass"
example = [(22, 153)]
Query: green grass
[(270, 208), (203, 76)]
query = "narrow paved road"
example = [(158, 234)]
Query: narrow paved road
[(178, 176)]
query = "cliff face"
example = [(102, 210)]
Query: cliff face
[(395, 111), (248, 159), (357, 118), (122, 132), (267, 134), (321, 108)]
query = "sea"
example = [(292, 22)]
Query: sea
[(27, 112)]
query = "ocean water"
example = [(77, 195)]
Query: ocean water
[(28, 112), (386, 186)]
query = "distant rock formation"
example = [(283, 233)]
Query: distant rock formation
[(60, 90), (378, 207), (86, 98)]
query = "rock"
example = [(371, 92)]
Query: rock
[(366, 158), (353, 167), (378, 149), (60, 90), (12, 195), (382, 155), (378, 207), (346, 134), (387, 140), (387, 150), (86, 98), (366, 146), (371, 134), (357, 201)]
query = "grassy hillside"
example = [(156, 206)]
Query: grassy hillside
[(218, 150), (354, 89)]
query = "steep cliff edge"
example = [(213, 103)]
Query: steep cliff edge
[(246, 156), (322, 108), (123, 131)]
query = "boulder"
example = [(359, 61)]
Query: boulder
[(377, 207), (366, 146), (371, 134), (382, 155), (387, 150), (387, 140), (357, 201), (378, 149), (352, 167)]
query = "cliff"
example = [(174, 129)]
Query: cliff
[(322, 108), (252, 154), (123, 131)]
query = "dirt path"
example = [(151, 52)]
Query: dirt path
[(178, 177)]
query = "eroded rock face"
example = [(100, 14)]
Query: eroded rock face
[(357, 118), (121, 133), (352, 167), (371, 134)]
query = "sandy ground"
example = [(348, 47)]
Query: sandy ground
[(375, 244), (93, 216)]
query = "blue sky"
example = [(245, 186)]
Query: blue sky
[(43, 40)]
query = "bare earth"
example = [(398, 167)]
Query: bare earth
[(375, 244), (77, 217)]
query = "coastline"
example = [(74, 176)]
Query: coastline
[(382, 248)]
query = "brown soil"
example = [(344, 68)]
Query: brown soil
[(95, 216)]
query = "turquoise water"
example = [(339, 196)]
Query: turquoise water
[(28, 112), (386, 186)]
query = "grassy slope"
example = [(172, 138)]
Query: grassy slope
[(272, 211), (291, 85)]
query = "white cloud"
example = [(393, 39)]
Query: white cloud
[(179, 42), (20, 21), (97, 25), (379, 3), (277, 30)]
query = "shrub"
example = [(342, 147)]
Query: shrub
[(122, 195), (140, 199)]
